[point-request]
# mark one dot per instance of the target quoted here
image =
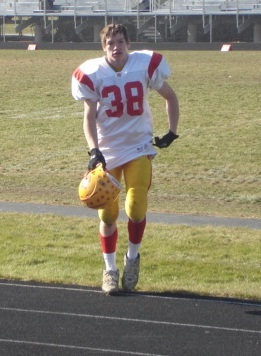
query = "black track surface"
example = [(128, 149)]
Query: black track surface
[(37, 319)]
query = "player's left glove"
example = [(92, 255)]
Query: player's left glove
[(96, 157), (165, 140)]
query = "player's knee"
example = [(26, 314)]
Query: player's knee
[(110, 214), (136, 203)]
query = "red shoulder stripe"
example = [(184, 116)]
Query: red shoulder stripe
[(83, 78), (154, 63)]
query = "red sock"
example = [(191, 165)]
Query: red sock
[(109, 242), (136, 230)]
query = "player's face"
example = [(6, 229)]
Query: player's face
[(116, 49)]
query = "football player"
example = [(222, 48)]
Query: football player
[(118, 129)]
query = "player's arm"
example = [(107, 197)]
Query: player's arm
[(172, 106), (172, 109), (89, 123), (90, 132)]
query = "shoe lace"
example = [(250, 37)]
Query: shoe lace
[(131, 267), (111, 277)]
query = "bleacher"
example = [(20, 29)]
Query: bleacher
[(146, 17), (29, 7), (242, 5), (76, 6), (213, 5), (19, 7), (113, 6)]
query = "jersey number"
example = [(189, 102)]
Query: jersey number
[(134, 96)]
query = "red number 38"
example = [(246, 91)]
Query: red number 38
[(134, 99)]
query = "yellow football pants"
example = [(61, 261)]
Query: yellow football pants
[(137, 177)]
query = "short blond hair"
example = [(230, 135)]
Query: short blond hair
[(112, 30)]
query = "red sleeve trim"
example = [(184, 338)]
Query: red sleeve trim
[(154, 63), (83, 78)]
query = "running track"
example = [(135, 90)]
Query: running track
[(37, 319)]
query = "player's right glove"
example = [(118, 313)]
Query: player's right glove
[(165, 140), (96, 157)]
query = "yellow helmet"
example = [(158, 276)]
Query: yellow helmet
[(98, 189)]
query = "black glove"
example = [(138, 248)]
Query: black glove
[(165, 140), (96, 157)]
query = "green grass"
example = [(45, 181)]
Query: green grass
[(203, 261), (212, 169)]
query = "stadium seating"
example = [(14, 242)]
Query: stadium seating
[(145, 16), (125, 7)]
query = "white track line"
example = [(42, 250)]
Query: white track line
[(145, 321), (138, 294), (52, 287), (73, 347)]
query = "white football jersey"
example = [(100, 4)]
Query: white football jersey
[(124, 121)]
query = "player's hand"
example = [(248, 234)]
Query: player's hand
[(96, 157), (165, 140)]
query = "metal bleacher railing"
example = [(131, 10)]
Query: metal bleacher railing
[(30, 7)]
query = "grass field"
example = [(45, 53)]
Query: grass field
[(213, 169), (200, 261)]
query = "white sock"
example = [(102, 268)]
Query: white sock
[(133, 250), (110, 261)]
